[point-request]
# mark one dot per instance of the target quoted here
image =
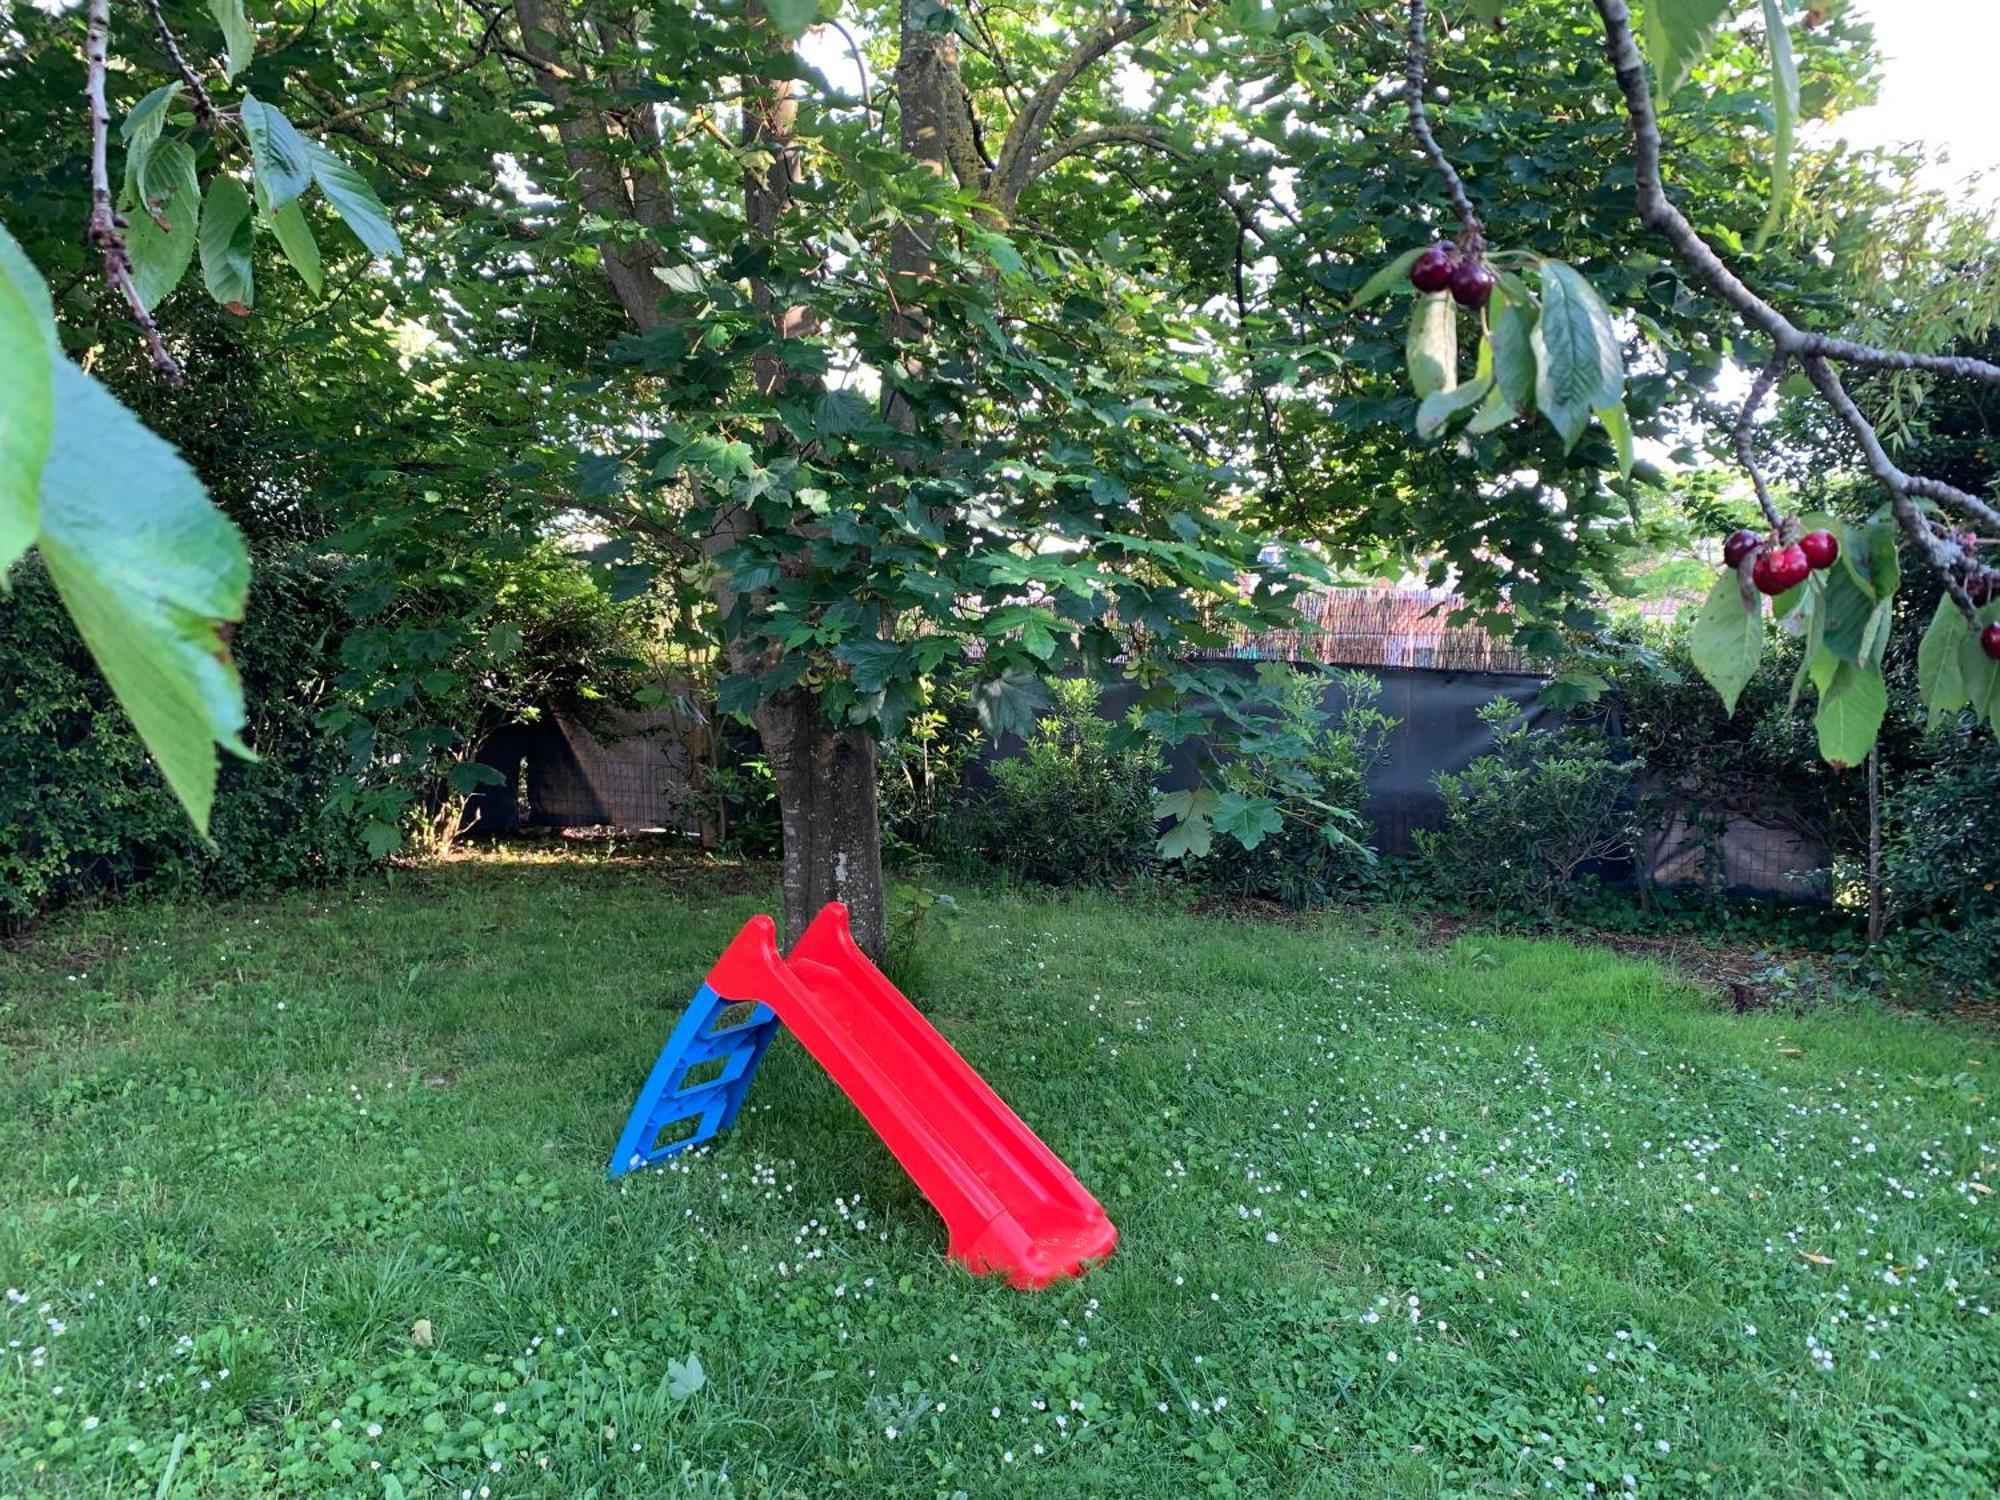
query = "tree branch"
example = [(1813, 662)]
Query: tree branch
[(1011, 171), (1746, 452), (1472, 233), (399, 91), (106, 228), (204, 107)]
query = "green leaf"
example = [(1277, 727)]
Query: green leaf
[(685, 279), (149, 571), (1850, 714), (228, 239), (141, 132), (355, 201), (1784, 117), (282, 157), (1388, 279), (238, 39), (1618, 422), (1191, 838), (685, 1377), (873, 665), (793, 17), (1010, 703), (1580, 368), (1846, 609), (1979, 672), (1940, 679), (1677, 34), (28, 355), (1512, 339), (1495, 412), (1439, 407), (1247, 819), (1432, 346), (1728, 640), (169, 192), (295, 238)]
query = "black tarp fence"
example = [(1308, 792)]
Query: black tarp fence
[(638, 772)]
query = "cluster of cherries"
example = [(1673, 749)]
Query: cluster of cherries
[(1444, 267), (1780, 567)]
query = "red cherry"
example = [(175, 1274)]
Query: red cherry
[(1472, 283), (1989, 640), (1786, 568), (1739, 546), (1431, 271), (1820, 547)]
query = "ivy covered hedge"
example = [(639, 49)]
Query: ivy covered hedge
[(83, 808)]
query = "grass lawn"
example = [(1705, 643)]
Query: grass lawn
[(306, 1197)]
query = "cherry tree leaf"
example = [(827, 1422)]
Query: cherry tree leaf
[(239, 41), (28, 356), (161, 235), (1728, 640), (1851, 708), (1432, 346), (1940, 679), (228, 239), (355, 201), (149, 571), (1784, 119), (1677, 35), (1388, 279), (1580, 367), (140, 132), (1439, 407), (282, 157), (295, 238)]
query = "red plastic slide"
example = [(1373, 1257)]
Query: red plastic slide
[(1010, 1204)]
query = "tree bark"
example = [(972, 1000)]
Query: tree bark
[(829, 814)]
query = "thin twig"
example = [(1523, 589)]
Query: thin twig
[(204, 107), (1746, 450), (1472, 233), (106, 228)]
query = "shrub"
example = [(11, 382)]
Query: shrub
[(83, 808), (1071, 809), (922, 783), (1941, 869), (1314, 765), (1521, 822)]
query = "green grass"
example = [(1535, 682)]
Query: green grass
[(1497, 1217)]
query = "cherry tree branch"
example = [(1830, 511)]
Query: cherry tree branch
[(106, 228), (1816, 353), (1012, 168), (1472, 232), (204, 107), (1746, 450)]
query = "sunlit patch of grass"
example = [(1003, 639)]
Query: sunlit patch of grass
[(318, 1183)]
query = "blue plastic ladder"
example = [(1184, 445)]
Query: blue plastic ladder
[(668, 1098)]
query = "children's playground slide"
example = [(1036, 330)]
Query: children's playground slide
[(1010, 1205)]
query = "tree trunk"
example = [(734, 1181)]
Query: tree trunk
[(828, 812)]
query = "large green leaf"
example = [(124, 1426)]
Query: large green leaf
[(149, 571), (1439, 407), (793, 17), (28, 355), (1979, 672), (1940, 678), (1247, 819), (1850, 714), (1513, 344), (1580, 368), (1784, 118), (228, 240), (141, 132), (160, 236), (295, 238), (1677, 34), (1728, 640), (238, 40), (1618, 423), (1432, 346), (355, 201), (282, 157)]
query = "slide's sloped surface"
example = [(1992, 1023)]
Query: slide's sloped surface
[(1009, 1203)]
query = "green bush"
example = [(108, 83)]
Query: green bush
[(1941, 872), (1315, 765), (1521, 822), (82, 808), (922, 783), (1071, 809)]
